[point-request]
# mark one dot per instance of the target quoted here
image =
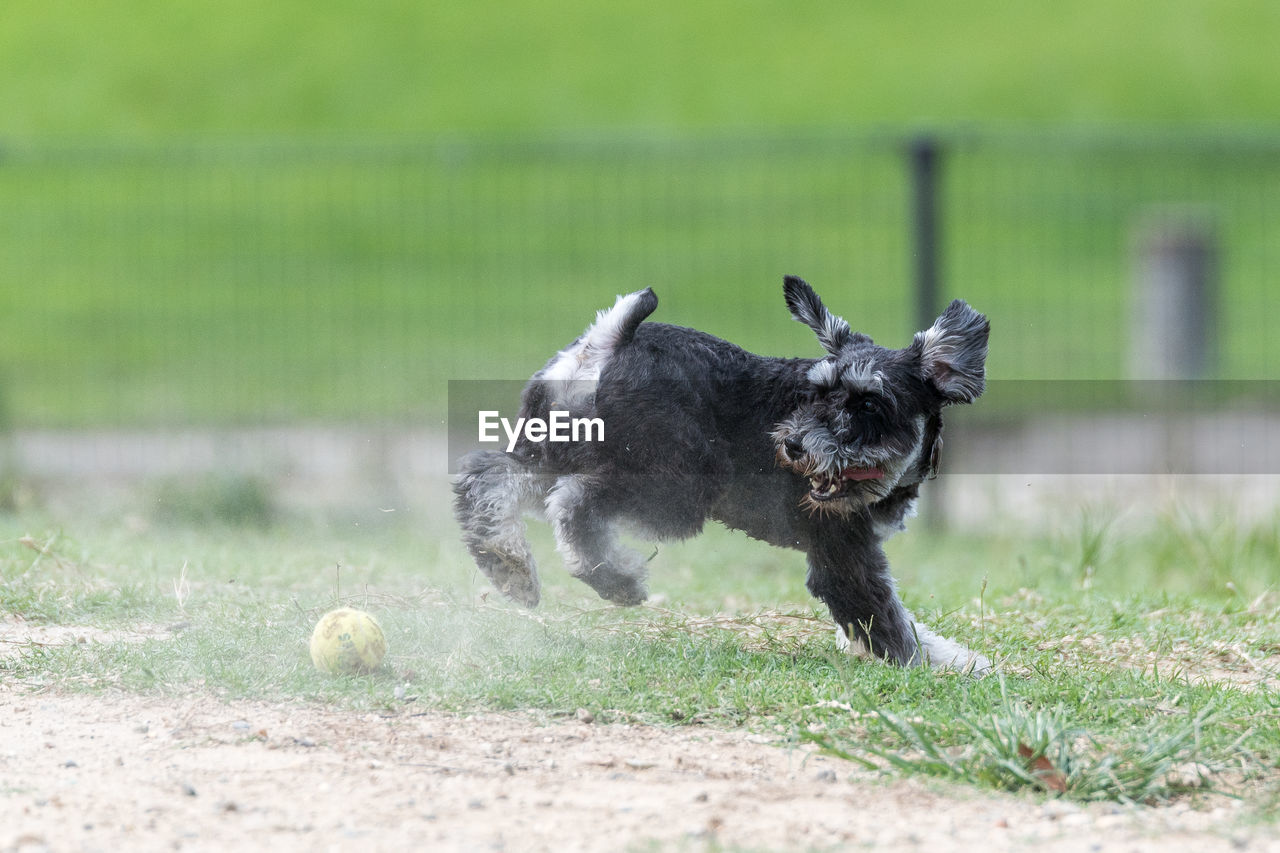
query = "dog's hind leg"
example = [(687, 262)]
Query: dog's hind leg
[(586, 540), (491, 492)]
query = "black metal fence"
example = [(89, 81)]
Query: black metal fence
[(233, 282)]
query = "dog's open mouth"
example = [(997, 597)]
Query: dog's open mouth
[(825, 488)]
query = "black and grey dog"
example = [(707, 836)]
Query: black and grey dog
[(822, 455)]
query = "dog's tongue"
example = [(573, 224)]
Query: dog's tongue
[(862, 473)]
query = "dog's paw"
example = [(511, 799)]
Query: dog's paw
[(980, 667), (513, 576), (854, 648), (941, 653), (972, 663), (625, 592), (955, 657)]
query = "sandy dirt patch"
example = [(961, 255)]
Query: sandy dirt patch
[(123, 772), (17, 635)]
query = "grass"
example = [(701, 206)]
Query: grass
[(1050, 751), (399, 66), (436, 195), (240, 283), (1109, 689)]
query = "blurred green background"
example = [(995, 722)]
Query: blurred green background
[(224, 213)]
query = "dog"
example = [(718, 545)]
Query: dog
[(823, 455)]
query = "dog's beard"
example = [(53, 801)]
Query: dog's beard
[(841, 489), (840, 484)]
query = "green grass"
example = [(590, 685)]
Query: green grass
[(1128, 670), (398, 66), (156, 266), (1017, 749), (242, 283)]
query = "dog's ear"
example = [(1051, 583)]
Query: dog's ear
[(953, 353), (832, 331)]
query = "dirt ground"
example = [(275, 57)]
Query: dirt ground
[(123, 772), (117, 772)]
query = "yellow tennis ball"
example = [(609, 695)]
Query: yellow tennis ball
[(347, 641)]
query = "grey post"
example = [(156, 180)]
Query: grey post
[(923, 163), (1174, 322)]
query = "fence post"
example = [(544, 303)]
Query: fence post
[(923, 155), (923, 162), (1175, 297)]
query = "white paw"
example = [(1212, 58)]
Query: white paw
[(856, 647), (941, 653)]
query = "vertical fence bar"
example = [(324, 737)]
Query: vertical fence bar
[(923, 157), (923, 164)]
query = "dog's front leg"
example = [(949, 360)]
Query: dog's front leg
[(852, 579)]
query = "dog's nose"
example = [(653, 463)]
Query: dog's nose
[(793, 447)]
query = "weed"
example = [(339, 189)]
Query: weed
[(1049, 750)]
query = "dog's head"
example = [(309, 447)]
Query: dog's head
[(868, 418)]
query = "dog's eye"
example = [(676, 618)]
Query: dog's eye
[(869, 406)]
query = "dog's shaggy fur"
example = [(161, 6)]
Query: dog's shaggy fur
[(822, 455)]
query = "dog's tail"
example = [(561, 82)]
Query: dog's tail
[(570, 377), (616, 326)]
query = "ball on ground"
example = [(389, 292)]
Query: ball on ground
[(347, 641)]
